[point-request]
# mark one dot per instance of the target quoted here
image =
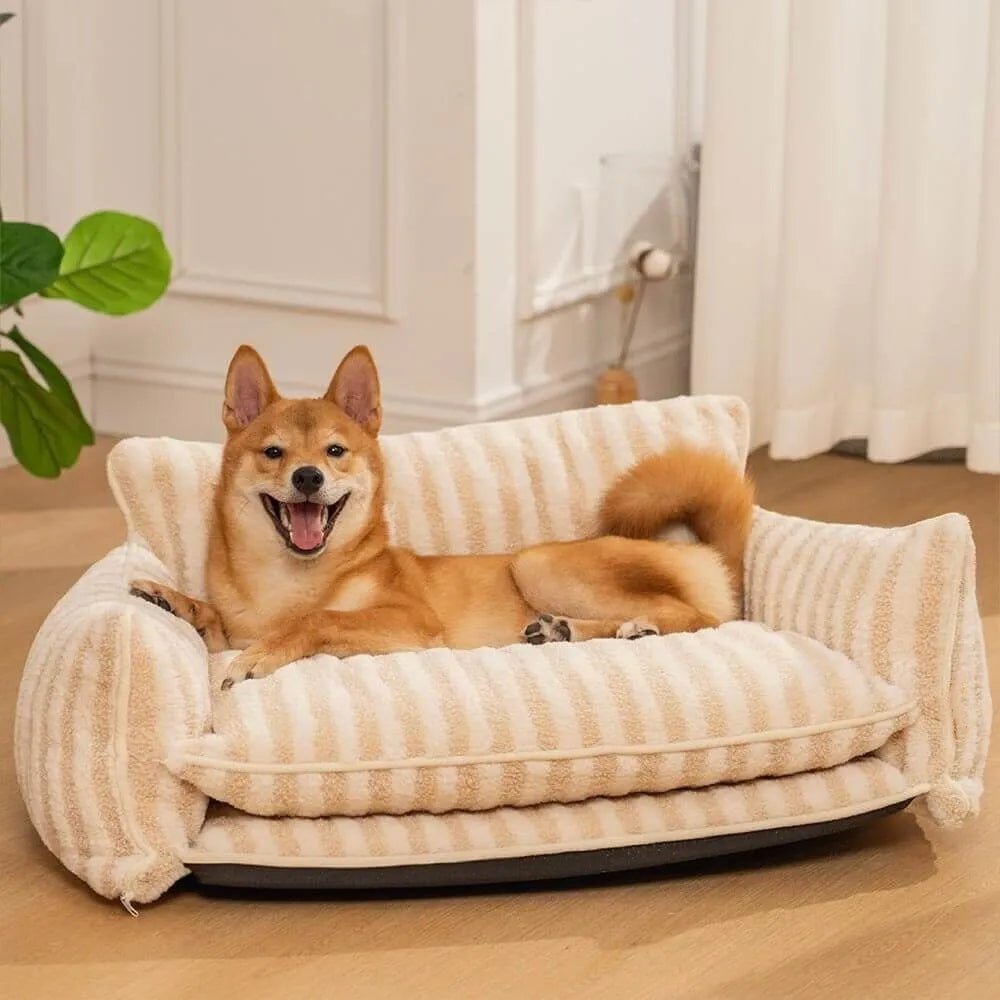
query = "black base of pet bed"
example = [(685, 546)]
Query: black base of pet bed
[(571, 864)]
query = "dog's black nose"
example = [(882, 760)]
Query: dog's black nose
[(307, 479)]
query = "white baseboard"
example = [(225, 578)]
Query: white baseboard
[(661, 369), (157, 399), (145, 399), (148, 399)]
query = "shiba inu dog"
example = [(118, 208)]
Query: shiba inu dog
[(300, 563)]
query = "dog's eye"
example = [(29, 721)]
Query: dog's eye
[(273, 451), (336, 450)]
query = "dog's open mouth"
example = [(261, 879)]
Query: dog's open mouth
[(304, 526)]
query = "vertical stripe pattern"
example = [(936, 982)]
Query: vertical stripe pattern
[(113, 687), (901, 603), (423, 734), (109, 687), (552, 827), (486, 488)]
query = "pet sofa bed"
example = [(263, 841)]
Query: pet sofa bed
[(856, 684)]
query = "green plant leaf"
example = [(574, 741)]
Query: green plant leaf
[(5, 17), (44, 435), (29, 260), (55, 380), (113, 263)]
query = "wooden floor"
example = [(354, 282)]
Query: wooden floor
[(900, 909)]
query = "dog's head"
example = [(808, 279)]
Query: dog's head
[(304, 474)]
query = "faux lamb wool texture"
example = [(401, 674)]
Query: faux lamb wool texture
[(476, 729), (231, 836), (107, 690), (114, 688), (901, 603), (484, 488)]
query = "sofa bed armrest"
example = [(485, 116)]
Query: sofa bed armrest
[(110, 683), (900, 602)]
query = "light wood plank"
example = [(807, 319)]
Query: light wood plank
[(49, 539)]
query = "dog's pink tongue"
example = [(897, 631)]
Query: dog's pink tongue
[(306, 524)]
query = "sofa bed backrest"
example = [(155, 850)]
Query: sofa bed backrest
[(492, 487)]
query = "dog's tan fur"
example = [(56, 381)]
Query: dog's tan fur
[(358, 594)]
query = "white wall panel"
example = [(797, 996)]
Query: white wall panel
[(278, 127), (329, 172), (599, 82)]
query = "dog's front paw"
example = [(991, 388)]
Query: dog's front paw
[(152, 592), (637, 629), (547, 628), (257, 660)]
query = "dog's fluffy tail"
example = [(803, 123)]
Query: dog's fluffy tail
[(701, 489)]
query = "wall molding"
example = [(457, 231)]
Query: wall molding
[(561, 390), (14, 87), (587, 283), (525, 158), (573, 388), (179, 378), (380, 302), (78, 369)]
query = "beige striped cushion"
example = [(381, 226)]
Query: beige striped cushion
[(230, 836), (485, 488), (110, 684), (900, 602), (476, 729)]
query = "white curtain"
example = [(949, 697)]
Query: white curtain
[(848, 277)]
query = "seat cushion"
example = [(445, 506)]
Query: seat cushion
[(233, 837), (477, 729)]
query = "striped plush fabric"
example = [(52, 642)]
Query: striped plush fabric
[(107, 691), (901, 603), (485, 488), (231, 836), (476, 729), (114, 689)]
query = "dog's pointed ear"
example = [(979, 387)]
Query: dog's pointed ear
[(355, 389), (249, 389)]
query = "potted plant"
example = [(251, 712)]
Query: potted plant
[(110, 262)]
